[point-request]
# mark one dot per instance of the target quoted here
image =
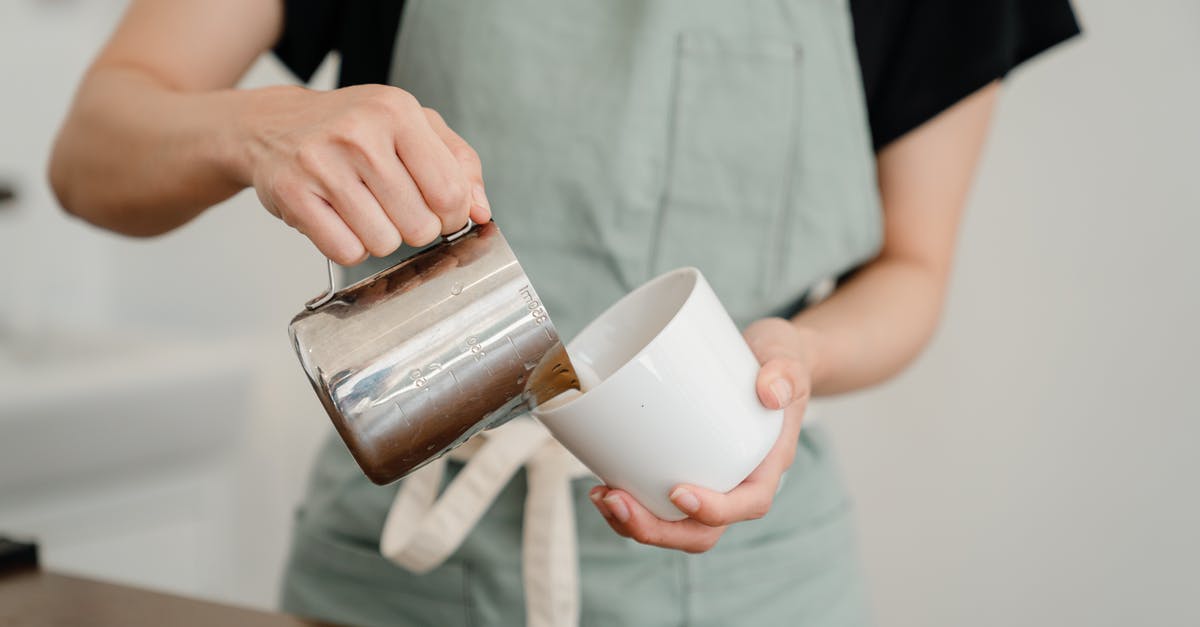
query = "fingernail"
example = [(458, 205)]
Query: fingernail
[(685, 500), (480, 197), (595, 496), (617, 507), (782, 391)]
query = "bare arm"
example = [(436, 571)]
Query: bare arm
[(868, 330), (148, 142), (878, 322), (157, 134)]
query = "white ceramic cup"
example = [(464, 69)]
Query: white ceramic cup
[(672, 395)]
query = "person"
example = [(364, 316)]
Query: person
[(779, 147)]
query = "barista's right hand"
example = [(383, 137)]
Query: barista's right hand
[(359, 170)]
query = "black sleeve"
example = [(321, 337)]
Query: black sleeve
[(362, 31), (919, 57)]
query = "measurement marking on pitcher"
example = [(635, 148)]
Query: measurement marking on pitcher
[(418, 379), (514, 345), (475, 347), (420, 376), (536, 311), (478, 353), (457, 382)]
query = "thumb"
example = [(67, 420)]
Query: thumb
[(781, 382)]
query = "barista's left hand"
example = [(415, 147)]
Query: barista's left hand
[(787, 355)]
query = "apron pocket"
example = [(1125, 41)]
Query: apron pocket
[(337, 579), (729, 164)]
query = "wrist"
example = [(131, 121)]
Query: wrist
[(243, 140), (812, 346)]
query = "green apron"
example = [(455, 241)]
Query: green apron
[(621, 139)]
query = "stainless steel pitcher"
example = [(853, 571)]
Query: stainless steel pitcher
[(414, 360)]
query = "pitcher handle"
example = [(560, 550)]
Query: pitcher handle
[(328, 295)]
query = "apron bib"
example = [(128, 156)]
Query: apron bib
[(619, 140), (626, 138)]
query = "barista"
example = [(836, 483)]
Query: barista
[(773, 145)]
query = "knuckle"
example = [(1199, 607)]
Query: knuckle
[(704, 545), (467, 156), (308, 157), (289, 217), (781, 365), (350, 131), (433, 115), (759, 509), (384, 98), (711, 516), (404, 100), (396, 104), (448, 196), (283, 190), (803, 390), (717, 520)]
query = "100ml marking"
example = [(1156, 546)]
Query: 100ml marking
[(420, 379)]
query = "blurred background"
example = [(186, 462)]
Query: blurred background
[(1037, 466)]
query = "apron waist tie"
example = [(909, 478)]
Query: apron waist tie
[(422, 530)]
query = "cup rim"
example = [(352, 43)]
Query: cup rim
[(666, 276)]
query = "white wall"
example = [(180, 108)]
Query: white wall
[(154, 426), (1039, 465), (1034, 468)]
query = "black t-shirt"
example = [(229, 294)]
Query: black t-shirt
[(918, 57)]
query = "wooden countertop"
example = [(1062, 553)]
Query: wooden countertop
[(33, 597)]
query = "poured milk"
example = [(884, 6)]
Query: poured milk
[(588, 379)]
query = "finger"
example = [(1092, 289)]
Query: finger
[(630, 519), (436, 173), (763, 338), (480, 214), (312, 216), (468, 160), (395, 191), (752, 498), (349, 196), (597, 496), (781, 382)]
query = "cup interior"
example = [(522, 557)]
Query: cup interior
[(617, 336)]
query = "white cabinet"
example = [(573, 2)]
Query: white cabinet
[(120, 461)]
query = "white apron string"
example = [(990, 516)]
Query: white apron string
[(421, 530)]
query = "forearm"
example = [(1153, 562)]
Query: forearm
[(139, 158), (874, 325), (878, 322)]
